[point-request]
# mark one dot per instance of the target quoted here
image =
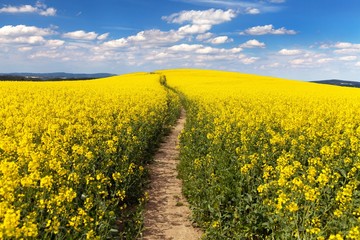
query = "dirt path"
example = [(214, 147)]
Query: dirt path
[(167, 215)]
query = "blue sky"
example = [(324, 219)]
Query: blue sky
[(305, 40)]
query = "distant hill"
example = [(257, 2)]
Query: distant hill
[(337, 82), (56, 76)]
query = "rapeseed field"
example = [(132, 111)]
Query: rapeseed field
[(267, 158), (261, 157), (72, 155)]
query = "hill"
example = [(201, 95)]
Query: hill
[(337, 82), (59, 76)]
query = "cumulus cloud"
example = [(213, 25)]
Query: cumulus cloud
[(185, 47), (253, 44), (39, 8), (103, 36), (202, 49), (147, 39), (23, 30), (156, 36), (324, 60), (25, 49), (346, 45), (81, 35), (22, 34), (267, 29), (252, 11), (198, 22), (204, 36), (347, 51), (55, 43), (194, 23), (357, 64), (194, 29), (263, 6), (345, 48), (212, 50), (348, 58), (302, 62), (118, 43), (289, 52), (249, 60), (298, 61), (274, 65), (207, 17), (24, 40), (220, 40)]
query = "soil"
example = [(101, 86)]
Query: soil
[(167, 213)]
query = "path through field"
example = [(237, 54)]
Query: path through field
[(167, 214)]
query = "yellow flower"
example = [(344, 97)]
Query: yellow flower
[(293, 207), (338, 213), (336, 237), (314, 231), (215, 224), (10, 222), (354, 233)]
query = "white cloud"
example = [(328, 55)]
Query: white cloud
[(20, 9), (253, 44), (325, 60), (299, 62), (207, 17), (235, 50), (347, 51), (156, 37), (103, 36), (52, 54), (252, 11), (220, 40), (290, 52), (185, 47), (201, 49), (25, 49), (202, 37), (346, 45), (199, 23), (348, 58), (207, 50), (249, 60), (357, 64), (324, 46), (118, 43), (146, 39), (274, 65), (55, 43), (264, 6), (194, 29), (81, 35), (23, 30), (212, 50), (346, 48), (267, 29), (139, 37), (39, 8), (24, 40), (48, 12), (22, 34)]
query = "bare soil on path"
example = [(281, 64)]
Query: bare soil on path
[(167, 213)]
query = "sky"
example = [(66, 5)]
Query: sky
[(295, 39)]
